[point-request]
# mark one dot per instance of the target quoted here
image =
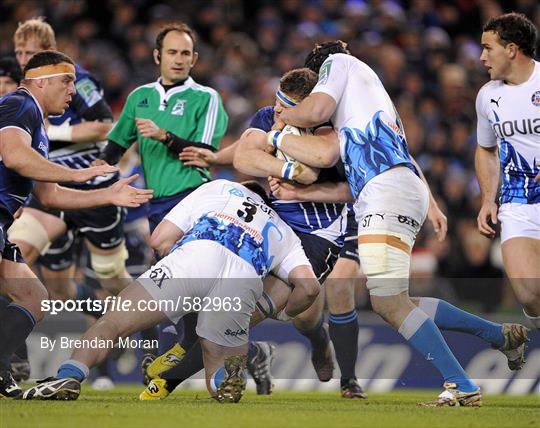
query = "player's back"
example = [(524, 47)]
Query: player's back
[(509, 115), (237, 218), (371, 134)]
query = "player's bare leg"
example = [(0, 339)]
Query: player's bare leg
[(34, 231), (309, 323), (116, 323), (520, 256)]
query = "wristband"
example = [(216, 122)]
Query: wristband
[(274, 139), (60, 133), (288, 171)]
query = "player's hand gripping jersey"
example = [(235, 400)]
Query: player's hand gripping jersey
[(509, 115), (371, 135), (20, 110), (237, 218)]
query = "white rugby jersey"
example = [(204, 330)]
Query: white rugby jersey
[(371, 136), (509, 115), (237, 218)]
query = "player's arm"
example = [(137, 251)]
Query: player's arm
[(312, 111), (174, 225), (51, 195), (252, 158), (320, 150), (205, 158), (85, 132), (165, 235), (435, 215), (486, 161), (327, 192), (18, 155)]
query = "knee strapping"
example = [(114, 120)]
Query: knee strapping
[(385, 260), (28, 229)]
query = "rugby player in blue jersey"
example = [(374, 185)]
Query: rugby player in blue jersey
[(48, 87)]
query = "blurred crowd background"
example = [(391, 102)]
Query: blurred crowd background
[(426, 53)]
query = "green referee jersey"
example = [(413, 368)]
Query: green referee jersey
[(191, 111)]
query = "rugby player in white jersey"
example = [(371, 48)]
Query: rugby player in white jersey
[(508, 133), (391, 201), (221, 240)]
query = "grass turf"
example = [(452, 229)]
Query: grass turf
[(186, 408)]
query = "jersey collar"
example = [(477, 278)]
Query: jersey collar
[(164, 96)]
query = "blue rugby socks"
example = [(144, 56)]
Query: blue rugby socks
[(449, 317), (422, 333)]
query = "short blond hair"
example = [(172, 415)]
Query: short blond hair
[(38, 28)]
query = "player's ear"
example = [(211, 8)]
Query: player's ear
[(195, 58), (512, 50), (157, 56)]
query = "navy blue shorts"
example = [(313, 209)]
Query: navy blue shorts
[(160, 207), (350, 247), (8, 249), (322, 254)]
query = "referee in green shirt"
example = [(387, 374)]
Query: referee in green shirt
[(167, 116)]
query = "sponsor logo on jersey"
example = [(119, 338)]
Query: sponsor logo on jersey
[(324, 72), (496, 102), (143, 103), (509, 128), (42, 146), (178, 108), (535, 99)]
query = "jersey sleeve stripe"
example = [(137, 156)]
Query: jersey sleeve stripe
[(210, 122), (16, 127)]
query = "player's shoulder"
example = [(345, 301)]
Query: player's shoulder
[(263, 119), (18, 101), (487, 91), (489, 87)]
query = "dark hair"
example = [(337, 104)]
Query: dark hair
[(514, 28), (176, 26), (298, 83), (318, 55), (47, 58), (255, 187), (9, 67)]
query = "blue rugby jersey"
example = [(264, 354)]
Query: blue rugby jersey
[(326, 220), (20, 110)]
